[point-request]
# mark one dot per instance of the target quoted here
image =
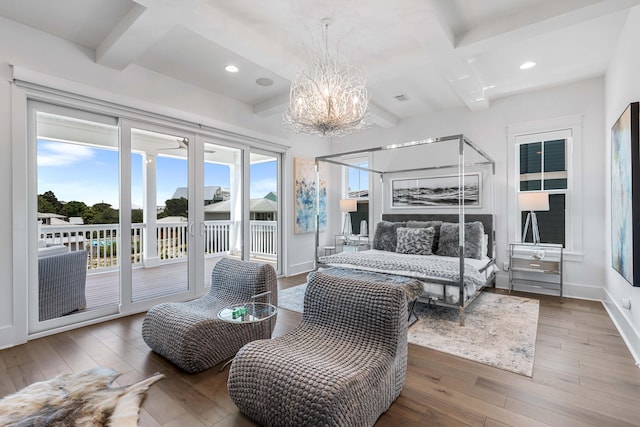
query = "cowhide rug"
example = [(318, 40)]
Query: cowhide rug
[(85, 399)]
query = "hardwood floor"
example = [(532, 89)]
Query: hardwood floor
[(583, 375)]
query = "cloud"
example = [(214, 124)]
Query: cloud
[(57, 154), (261, 187)]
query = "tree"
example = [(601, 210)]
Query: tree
[(177, 207), (48, 202), (102, 213), (74, 208), (137, 216)]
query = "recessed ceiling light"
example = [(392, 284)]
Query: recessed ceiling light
[(527, 65), (263, 81), (232, 68)]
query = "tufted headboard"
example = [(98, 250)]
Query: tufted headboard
[(485, 219)]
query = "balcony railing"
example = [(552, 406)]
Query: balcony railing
[(101, 241)]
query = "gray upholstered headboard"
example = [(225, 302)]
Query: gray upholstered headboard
[(485, 219)]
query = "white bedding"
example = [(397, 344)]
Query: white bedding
[(427, 268)]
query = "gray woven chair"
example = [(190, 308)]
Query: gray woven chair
[(343, 365), (190, 335), (61, 284)]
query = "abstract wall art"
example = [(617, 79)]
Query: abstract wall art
[(305, 187), (625, 195)]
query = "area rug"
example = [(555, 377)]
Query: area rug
[(87, 399), (500, 330)]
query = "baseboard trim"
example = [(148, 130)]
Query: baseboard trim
[(626, 329), (8, 337), (303, 267), (570, 290)]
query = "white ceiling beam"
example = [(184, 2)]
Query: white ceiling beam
[(382, 117), (456, 70), (143, 26), (271, 106), (535, 21), (130, 38)]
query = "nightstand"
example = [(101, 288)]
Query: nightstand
[(351, 243), (536, 266)]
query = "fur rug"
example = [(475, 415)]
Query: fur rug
[(85, 399)]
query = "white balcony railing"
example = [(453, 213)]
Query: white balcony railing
[(100, 241)]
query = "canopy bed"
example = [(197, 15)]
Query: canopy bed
[(452, 253)]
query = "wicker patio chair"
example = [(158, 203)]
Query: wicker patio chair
[(343, 365), (190, 335), (62, 280)]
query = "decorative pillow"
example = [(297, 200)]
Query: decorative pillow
[(424, 224), (449, 240), (385, 237), (416, 241)]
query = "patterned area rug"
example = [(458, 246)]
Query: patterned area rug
[(88, 399), (500, 330)]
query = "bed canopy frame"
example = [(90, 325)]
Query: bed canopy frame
[(483, 160)]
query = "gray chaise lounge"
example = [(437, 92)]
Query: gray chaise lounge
[(342, 366), (190, 335)]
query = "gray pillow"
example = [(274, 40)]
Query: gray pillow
[(473, 236), (416, 241), (424, 224), (385, 237)]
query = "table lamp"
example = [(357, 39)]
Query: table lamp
[(346, 206), (533, 201)]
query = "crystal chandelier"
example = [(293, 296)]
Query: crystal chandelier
[(329, 98)]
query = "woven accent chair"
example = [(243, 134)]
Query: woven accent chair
[(62, 280), (190, 335), (343, 365)]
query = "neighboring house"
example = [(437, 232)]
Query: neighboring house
[(259, 210), (212, 194), (48, 218)]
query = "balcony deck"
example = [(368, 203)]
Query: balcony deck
[(103, 288)]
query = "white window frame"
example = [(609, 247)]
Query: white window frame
[(345, 175), (570, 129)]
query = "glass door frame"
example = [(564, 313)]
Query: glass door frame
[(279, 188), (126, 127), (34, 324)]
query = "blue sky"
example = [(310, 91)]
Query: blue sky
[(90, 175)]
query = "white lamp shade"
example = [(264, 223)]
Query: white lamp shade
[(348, 205), (534, 201)]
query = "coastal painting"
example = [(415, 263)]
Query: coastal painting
[(625, 195), (305, 187), (436, 192)]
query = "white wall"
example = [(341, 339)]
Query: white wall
[(488, 130), (72, 68), (622, 86)]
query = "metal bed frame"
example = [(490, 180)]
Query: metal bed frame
[(463, 143)]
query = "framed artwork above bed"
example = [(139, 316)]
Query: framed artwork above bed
[(436, 192)]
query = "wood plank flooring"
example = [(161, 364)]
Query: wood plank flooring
[(583, 376)]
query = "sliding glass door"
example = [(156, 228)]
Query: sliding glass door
[(75, 199), (135, 214), (264, 183), (160, 223), (221, 229)]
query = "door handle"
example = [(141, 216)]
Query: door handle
[(191, 228)]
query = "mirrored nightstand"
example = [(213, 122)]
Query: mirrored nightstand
[(536, 266), (351, 243)]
